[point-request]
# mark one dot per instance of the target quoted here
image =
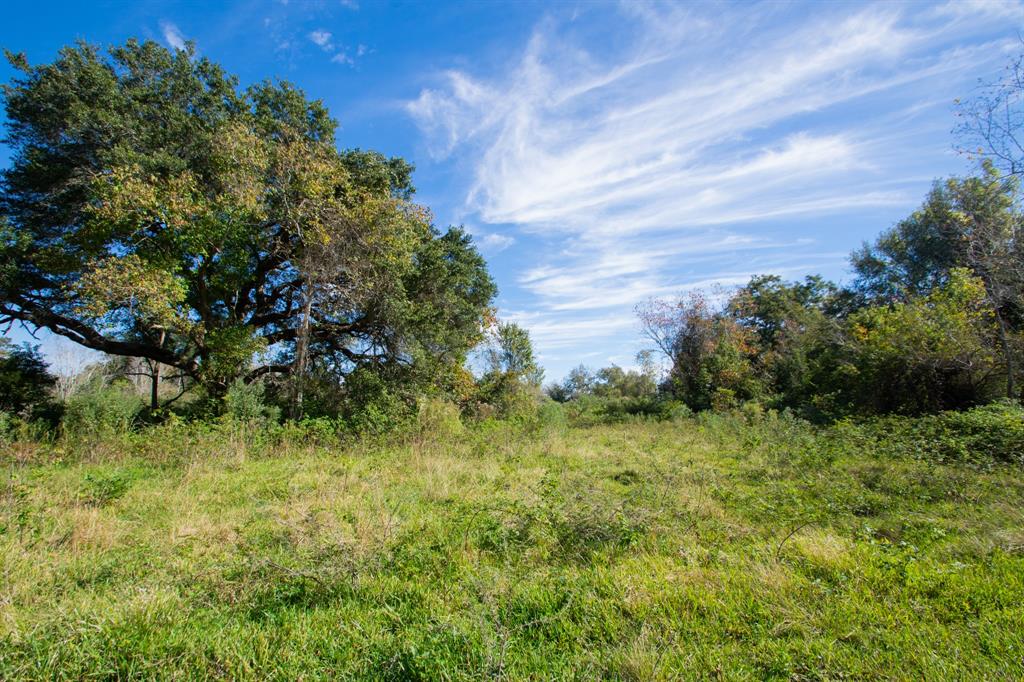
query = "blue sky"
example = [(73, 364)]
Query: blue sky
[(605, 153)]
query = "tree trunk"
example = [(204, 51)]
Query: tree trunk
[(301, 353), (154, 387), (1004, 341)]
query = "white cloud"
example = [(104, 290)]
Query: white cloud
[(322, 39), (172, 35), (549, 333), (674, 143), (494, 242), (339, 53)]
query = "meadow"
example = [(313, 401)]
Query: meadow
[(740, 545)]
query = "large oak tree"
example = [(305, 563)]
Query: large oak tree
[(155, 209)]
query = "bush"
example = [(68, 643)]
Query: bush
[(102, 487), (723, 399), (245, 403), (993, 432), (551, 415), (675, 410), (14, 429), (437, 419), (932, 353), (507, 397), (8, 426), (372, 405), (319, 430), (102, 409)]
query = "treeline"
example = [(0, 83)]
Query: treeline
[(112, 396), (932, 321)]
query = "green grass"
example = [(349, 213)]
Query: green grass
[(702, 548)]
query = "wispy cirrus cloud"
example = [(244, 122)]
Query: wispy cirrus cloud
[(172, 35), (653, 160)]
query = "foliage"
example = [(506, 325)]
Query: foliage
[(972, 223), (510, 352), (510, 384), (438, 419), (579, 382), (798, 327), (611, 382), (245, 403), (912, 258), (932, 353), (615, 382), (933, 321), (711, 354), (102, 409), (982, 435), (375, 405)]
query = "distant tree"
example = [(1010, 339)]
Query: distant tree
[(579, 382), (797, 327), (710, 352), (933, 352), (973, 223), (26, 384), (772, 307), (155, 210), (557, 391), (509, 352), (615, 382), (913, 257), (512, 377), (989, 231), (608, 382), (990, 124)]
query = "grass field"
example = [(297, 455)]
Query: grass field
[(702, 548)]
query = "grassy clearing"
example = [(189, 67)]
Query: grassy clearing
[(712, 547)]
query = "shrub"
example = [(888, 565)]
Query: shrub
[(102, 487), (675, 410), (373, 405), (723, 399), (437, 418), (320, 430), (551, 415), (993, 432), (711, 353), (245, 403), (931, 353), (102, 409)]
